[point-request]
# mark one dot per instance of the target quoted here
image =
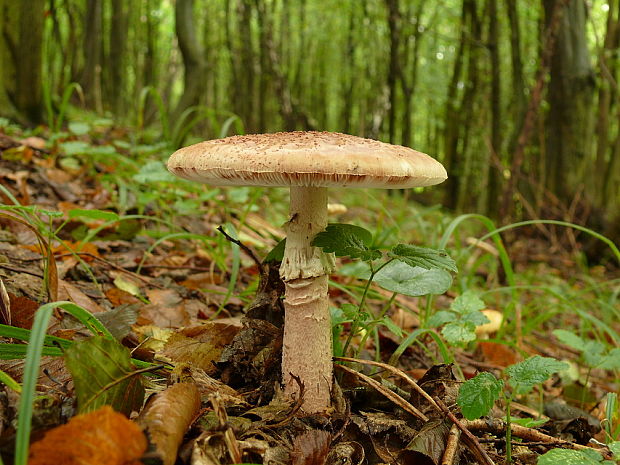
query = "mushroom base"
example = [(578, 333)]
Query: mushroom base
[(307, 344)]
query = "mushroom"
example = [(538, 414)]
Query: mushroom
[(308, 163)]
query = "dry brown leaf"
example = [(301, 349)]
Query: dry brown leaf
[(102, 437), (498, 354), (22, 311), (67, 291), (201, 345), (165, 309), (119, 297), (168, 415)]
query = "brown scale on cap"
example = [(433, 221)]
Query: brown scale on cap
[(320, 159)]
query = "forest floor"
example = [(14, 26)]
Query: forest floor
[(91, 218)]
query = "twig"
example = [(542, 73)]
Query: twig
[(398, 400), (497, 426), (471, 440), (20, 270), (243, 247), (112, 265), (449, 454)]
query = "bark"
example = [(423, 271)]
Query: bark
[(571, 88), (118, 37), (394, 69), (452, 117), (21, 40), (193, 57), (92, 49), (307, 344), (495, 158)]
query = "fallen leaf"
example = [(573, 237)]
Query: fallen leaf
[(67, 291), (498, 354), (22, 311), (168, 415), (103, 375), (102, 437)]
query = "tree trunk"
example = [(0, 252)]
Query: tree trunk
[(193, 57), (118, 37), (495, 159), (92, 50), (571, 89), (394, 69), (21, 41)]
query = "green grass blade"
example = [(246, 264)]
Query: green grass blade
[(9, 382), (24, 335)]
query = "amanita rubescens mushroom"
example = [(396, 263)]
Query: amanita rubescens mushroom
[(308, 163)]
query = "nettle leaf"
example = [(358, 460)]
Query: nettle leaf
[(570, 339), (614, 447), (350, 310), (346, 240), (423, 257), (611, 361), (523, 376), (467, 302), (103, 375), (572, 457), (477, 396), (593, 353), (441, 318), (399, 277), (459, 332)]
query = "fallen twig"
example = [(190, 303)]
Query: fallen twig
[(449, 454)]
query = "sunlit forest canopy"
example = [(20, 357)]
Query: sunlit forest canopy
[(518, 99)]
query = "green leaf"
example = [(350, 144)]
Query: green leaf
[(570, 339), (391, 326), (523, 376), (441, 318), (467, 302), (79, 128), (477, 396), (423, 257), (102, 373), (277, 253), (399, 277), (614, 447), (459, 332), (570, 457), (611, 360), (93, 214), (528, 422), (350, 310), (593, 353), (346, 240), (476, 318), (75, 147)]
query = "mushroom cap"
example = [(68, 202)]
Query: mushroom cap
[(311, 159)]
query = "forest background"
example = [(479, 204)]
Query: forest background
[(518, 99)]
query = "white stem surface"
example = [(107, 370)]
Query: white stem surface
[(307, 345)]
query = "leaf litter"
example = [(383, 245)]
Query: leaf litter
[(216, 399)]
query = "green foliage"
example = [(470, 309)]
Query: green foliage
[(523, 376), (595, 354), (573, 457), (477, 396), (347, 240), (402, 278), (103, 375), (460, 321), (423, 257)]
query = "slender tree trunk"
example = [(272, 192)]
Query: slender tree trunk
[(118, 38), (452, 117), (394, 69), (571, 91), (495, 159), (92, 49), (21, 48), (193, 57)]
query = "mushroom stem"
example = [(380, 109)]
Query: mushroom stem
[(307, 344)]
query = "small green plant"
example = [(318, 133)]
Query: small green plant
[(461, 319), (478, 395), (404, 269)]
